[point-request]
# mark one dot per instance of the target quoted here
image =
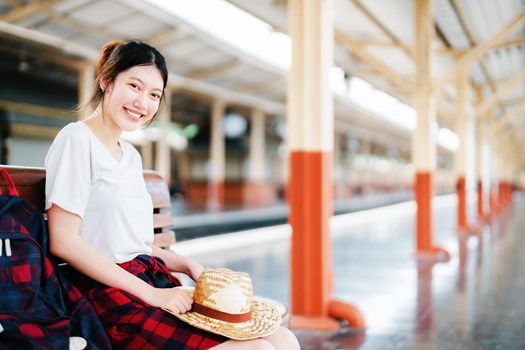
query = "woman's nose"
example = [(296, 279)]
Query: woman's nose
[(140, 101)]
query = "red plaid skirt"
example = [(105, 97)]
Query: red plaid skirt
[(131, 323)]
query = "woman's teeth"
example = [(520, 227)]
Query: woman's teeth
[(132, 114)]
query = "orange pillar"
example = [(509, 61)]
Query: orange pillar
[(462, 203), (310, 143), (424, 139), (424, 227), (217, 158), (501, 195), (480, 208)]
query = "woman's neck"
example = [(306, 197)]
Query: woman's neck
[(105, 128)]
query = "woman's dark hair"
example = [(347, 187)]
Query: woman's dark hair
[(118, 56)]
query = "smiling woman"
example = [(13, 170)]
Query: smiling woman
[(101, 217)]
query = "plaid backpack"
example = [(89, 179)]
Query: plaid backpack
[(39, 309)]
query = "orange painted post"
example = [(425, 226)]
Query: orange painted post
[(215, 195), (462, 203), (310, 144), (496, 172), (310, 210), (424, 226), (501, 195), (424, 140), (480, 210), (494, 201)]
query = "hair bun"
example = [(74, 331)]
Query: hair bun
[(106, 51)]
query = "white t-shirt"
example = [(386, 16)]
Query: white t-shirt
[(83, 178)]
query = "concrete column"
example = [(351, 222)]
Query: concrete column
[(505, 195), (184, 169), (255, 189), (495, 172), (482, 161), (310, 132), (482, 169), (502, 178), (147, 155), (365, 180), (86, 86), (424, 138), (461, 125), (162, 150), (217, 157)]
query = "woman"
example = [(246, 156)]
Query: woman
[(100, 214)]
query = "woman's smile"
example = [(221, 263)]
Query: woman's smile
[(133, 116)]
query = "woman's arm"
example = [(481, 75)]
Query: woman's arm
[(66, 243), (178, 263)]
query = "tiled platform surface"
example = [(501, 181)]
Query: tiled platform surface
[(474, 301), (185, 216)]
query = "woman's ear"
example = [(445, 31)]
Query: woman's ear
[(103, 84)]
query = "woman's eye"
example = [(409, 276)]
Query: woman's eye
[(156, 96), (133, 86)]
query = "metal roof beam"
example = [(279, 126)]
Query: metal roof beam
[(469, 32), (168, 36), (214, 70), (180, 82), (480, 49), (360, 52), (500, 122), (498, 94), (175, 81), (20, 12), (383, 28), (65, 46), (511, 42), (259, 86)]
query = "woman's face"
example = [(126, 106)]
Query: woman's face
[(134, 97)]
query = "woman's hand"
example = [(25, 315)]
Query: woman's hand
[(179, 263), (174, 299)]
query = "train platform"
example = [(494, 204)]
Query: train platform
[(197, 221), (473, 301)]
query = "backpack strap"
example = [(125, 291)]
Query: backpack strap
[(12, 187)]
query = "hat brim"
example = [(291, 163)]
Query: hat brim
[(265, 321)]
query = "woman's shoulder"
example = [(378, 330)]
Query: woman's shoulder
[(77, 130)]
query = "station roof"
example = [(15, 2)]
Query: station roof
[(374, 41)]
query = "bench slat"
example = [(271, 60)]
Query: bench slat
[(163, 219), (164, 239)]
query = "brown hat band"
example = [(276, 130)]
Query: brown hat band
[(220, 315)]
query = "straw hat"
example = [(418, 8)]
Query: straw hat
[(223, 303)]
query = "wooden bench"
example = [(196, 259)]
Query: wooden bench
[(30, 183)]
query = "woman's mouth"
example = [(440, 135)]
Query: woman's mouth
[(133, 115)]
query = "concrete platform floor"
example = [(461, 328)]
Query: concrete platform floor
[(474, 301)]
